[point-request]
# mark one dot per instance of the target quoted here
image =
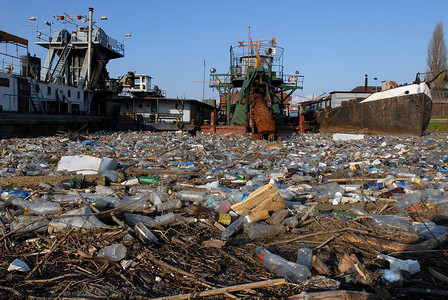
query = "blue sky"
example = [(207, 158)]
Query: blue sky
[(332, 43)]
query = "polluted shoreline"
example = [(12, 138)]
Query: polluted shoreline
[(174, 216)]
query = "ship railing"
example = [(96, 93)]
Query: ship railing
[(294, 80)]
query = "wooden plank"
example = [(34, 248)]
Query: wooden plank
[(265, 198)]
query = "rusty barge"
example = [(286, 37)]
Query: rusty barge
[(403, 110)]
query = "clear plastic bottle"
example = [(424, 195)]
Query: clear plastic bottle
[(169, 205), (232, 229), (164, 220), (193, 196), (144, 231), (305, 257), (295, 272), (408, 201), (155, 198), (262, 230), (43, 208)]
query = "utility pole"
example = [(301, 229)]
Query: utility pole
[(89, 48)]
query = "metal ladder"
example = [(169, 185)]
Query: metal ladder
[(36, 97), (62, 59)]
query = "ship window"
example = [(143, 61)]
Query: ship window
[(48, 90), (4, 82), (79, 94)]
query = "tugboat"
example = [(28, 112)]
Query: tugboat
[(255, 93), (69, 92)]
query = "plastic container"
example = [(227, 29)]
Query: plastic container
[(262, 230), (305, 257), (232, 229), (295, 272), (144, 231), (113, 252)]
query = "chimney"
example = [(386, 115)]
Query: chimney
[(365, 84)]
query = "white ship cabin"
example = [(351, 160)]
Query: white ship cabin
[(142, 83), (21, 91)]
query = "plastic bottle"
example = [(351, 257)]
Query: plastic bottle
[(143, 230), (148, 180), (262, 230), (14, 194), (193, 196), (104, 190), (408, 201), (232, 229), (164, 220), (113, 252), (224, 207), (390, 222), (155, 198), (305, 257), (225, 219), (43, 208), (169, 205), (256, 216), (295, 272)]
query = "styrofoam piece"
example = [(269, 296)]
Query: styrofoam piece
[(18, 265), (86, 164), (347, 137)]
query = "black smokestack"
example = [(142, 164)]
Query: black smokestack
[(365, 84)]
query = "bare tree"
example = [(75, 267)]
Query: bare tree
[(437, 56)]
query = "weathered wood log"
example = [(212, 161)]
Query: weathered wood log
[(331, 295), (392, 246), (228, 289)]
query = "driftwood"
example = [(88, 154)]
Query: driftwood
[(228, 289), (330, 295), (392, 246)]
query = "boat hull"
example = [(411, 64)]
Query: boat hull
[(401, 115)]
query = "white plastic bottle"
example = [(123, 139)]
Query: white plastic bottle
[(282, 267)]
